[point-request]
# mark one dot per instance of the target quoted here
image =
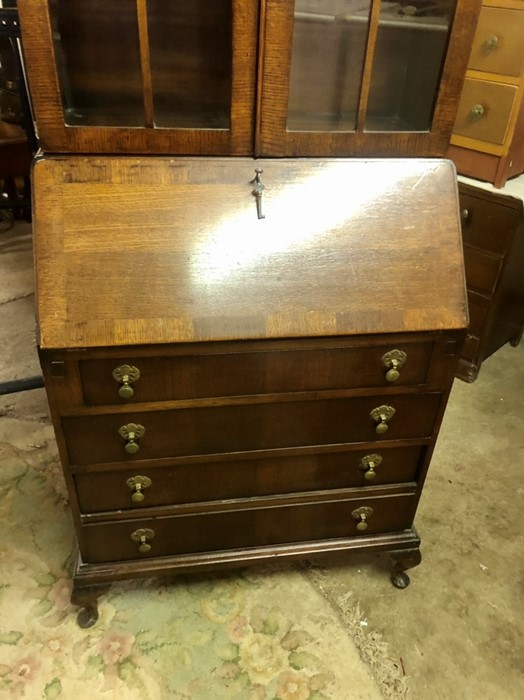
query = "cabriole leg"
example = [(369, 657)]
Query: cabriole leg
[(87, 599), (403, 559)]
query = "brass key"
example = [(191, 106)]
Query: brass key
[(258, 191)]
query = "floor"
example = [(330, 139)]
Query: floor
[(457, 630)]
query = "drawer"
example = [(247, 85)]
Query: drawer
[(486, 225), (498, 46), (244, 428), (249, 527), (482, 270), (470, 348), (478, 311), (210, 481), (484, 110), (251, 373)]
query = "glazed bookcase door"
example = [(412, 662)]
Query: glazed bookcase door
[(142, 76), (366, 77)]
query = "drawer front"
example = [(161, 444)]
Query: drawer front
[(484, 110), (250, 373), (236, 529), (470, 348), (486, 225), (213, 481), (244, 428), (482, 270), (498, 46), (478, 311)]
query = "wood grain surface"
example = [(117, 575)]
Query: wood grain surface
[(146, 251)]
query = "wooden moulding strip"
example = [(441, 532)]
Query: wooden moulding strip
[(374, 17), (503, 4), (88, 574), (145, 62)]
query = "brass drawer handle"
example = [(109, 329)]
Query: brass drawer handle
[(491, 42), (368, 464), (477, 111), (142, 536), (126, 375), (137, 484), (381, 415), (361, 515), (393, 361), (132, 432)]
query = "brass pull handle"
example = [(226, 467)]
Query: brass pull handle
[(393, 361), (361, 515), (368, 464), (464, 216), (126, 375), (142, 536), (132, 432), (491, 42), (137, 484), (477, 111), (381, 415), (258, 191)]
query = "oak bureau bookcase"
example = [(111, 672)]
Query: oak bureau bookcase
[(247, 77), (245, 357)]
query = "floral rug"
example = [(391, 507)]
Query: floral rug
[(255, 634)]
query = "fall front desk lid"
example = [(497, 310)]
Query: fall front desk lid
[(162, 250)]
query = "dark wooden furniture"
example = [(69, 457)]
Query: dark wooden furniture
[(17, 139), (247, 77), (228, 389), (493, 232), (488, 136)]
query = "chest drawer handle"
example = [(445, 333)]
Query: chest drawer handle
[(477, 111), (126, 375), (491, 42), (368, 464), (141, 537), (132, 432), (361, 515), (381, 415), (393, 361), (137, 484)]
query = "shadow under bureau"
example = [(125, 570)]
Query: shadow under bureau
[(244, 360)]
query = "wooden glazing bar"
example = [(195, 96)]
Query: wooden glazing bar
[(145, 62), (374, 17)]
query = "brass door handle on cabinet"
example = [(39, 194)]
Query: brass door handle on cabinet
[(464, 216), (368, 464), (137, 484), (132, 432), (361, 515), (142, 537), (381, 415), (477, 111), (393, 361), (126, 375)]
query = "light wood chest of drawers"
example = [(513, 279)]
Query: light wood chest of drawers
[(227, 389), (487, 139)]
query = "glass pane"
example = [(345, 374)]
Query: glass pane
[(98, 59), (409, 54), (329, 45), (11, 113), (191, 56)]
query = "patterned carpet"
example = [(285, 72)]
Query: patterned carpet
[(254, 634)]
